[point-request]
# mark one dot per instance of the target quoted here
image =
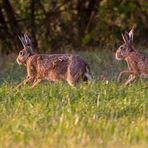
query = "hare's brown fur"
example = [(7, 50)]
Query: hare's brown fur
[(137, 62), (54, 67)]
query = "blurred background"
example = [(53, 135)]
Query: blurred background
[(57, 25)]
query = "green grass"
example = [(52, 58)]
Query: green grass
[(100, 114)]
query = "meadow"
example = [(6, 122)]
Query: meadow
[(100, 114)]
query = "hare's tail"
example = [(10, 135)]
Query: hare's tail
[(87, 74)]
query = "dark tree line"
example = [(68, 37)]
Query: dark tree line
[(58, 24)]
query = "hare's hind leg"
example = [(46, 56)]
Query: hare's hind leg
[(131, 78), (71, 82), (70, 79), (87, 77)]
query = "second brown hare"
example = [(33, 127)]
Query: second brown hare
[(51, 67), (137, 62)]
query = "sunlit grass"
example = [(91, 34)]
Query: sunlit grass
[(102, 113)]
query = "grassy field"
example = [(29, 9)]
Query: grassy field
[(100, 114)]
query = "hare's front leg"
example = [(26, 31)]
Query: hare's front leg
[(131, 78), (30, 77), (35, 83), (22, 83)]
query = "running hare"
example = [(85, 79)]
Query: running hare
[(51, 67), (137, 62)]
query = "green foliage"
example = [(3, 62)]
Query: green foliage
[(86, 40), (102, 113)]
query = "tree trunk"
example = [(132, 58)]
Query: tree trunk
[(33, 25), (86, 12), (4, 33), (12, 22)]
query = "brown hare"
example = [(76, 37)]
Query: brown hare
[(137, 62), (51, 67)]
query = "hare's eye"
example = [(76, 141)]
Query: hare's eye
[(21, 53), (121, 47)]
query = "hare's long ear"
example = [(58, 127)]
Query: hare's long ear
[(28, 44), (131, 34), (22, 39), (27, 40), (125, 37)]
